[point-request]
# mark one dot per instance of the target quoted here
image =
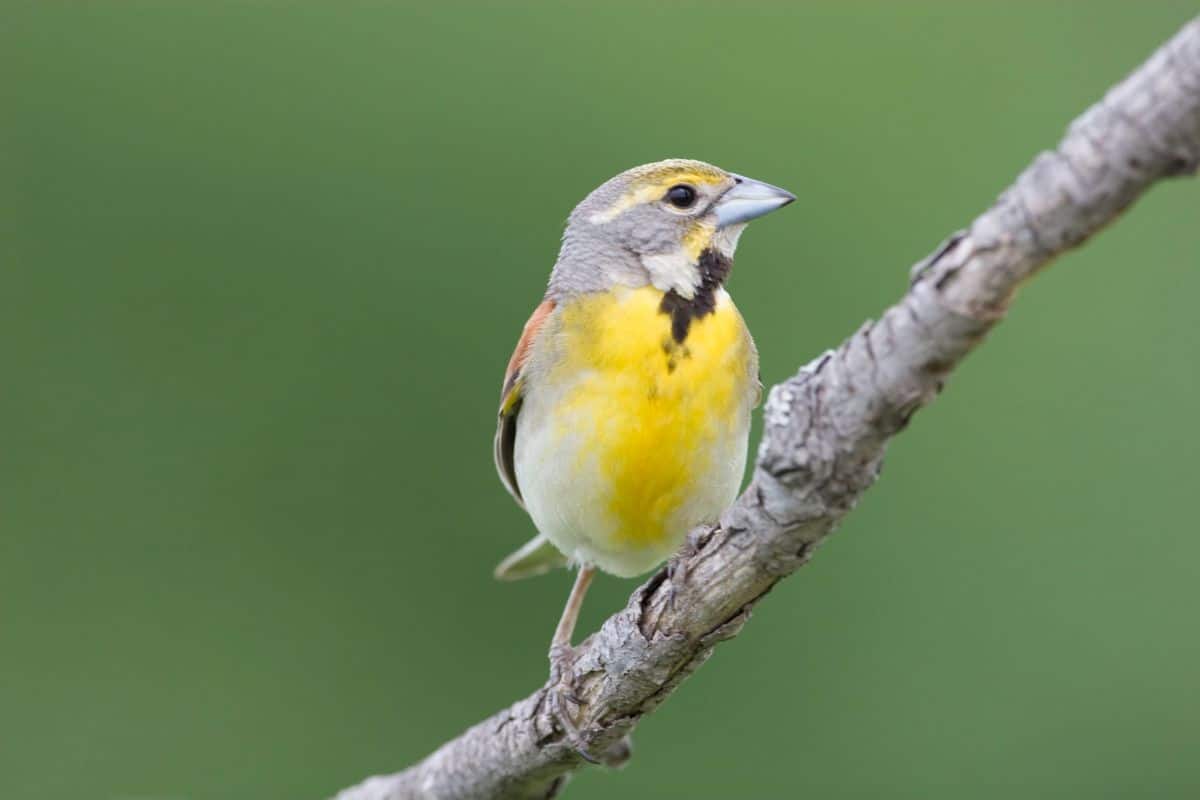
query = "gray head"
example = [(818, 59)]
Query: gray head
[(659, 224)]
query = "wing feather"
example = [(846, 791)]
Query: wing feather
[(510, 401)]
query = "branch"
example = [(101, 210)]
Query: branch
[(826, 431)]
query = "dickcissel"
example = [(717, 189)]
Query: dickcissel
[(625, 409)]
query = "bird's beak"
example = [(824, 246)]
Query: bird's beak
[(749, 199)]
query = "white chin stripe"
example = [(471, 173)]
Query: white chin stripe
[(673, 271), (725, 240)]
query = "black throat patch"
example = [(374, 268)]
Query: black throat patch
[(714, 269)]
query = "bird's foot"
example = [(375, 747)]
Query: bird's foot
[(560, 695), (677, 566), (677, 573)]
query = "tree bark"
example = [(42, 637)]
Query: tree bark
[(826, 431)]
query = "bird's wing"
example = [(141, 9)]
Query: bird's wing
[(510, 400)]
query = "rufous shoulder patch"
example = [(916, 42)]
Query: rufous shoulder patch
[(524, 345)]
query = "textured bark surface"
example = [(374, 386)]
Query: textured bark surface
[(826, 431)]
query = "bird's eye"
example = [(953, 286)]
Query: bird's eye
[(681, 196)]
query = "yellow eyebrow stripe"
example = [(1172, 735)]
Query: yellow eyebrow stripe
[(634, 197)]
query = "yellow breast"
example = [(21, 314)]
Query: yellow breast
[(655, 418)]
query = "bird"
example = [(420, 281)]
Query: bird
[(625, 409)]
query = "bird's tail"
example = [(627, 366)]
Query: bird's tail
[(537, 556)]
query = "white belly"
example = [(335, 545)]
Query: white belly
[(569, 492)]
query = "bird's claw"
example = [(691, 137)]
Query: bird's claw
[(561, 657), (678, 569), (560, 693), (676, 576)]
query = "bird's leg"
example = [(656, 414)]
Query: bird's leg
[(561, 643), (561, 656)]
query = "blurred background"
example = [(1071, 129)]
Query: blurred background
[(263, 266)]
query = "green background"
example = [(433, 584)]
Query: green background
[(262, 267)]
